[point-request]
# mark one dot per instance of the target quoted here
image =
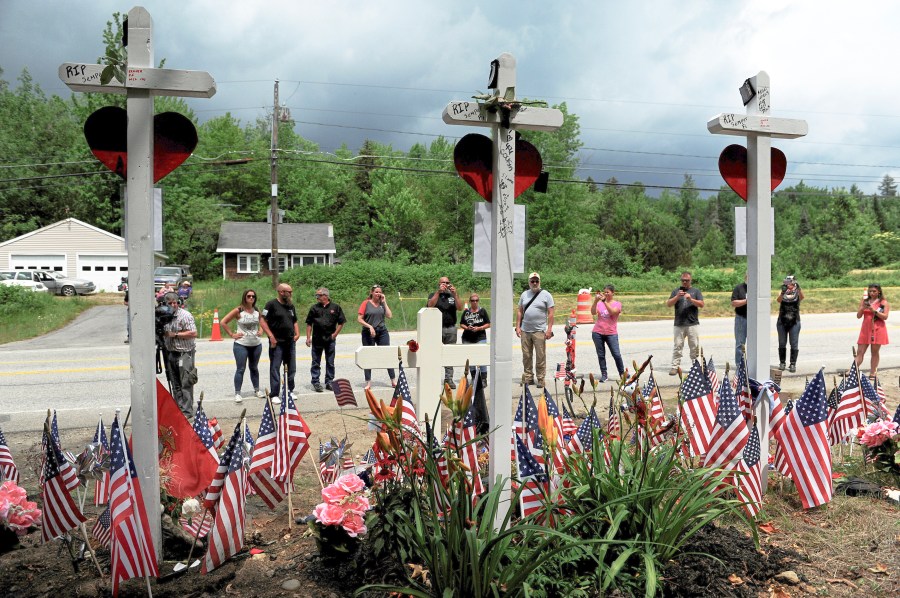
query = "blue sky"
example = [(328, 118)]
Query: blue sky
[(643, 77)]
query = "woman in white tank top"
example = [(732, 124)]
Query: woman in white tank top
[(247, 346)]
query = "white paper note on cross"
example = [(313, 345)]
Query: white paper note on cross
[(428, 362), (143, 81), (758, 127), (503, 115)]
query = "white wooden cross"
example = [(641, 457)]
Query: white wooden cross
[(759, 128), (503, 123), (143, 81), (428, 361)]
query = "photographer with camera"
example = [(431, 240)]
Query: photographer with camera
[(179, 335), (874, 310), (447, 301), (687, 302), (788, 323)]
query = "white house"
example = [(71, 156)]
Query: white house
[(76, 249)]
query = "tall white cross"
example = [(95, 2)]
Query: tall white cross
[(759, 128), (503, 115), (428, 361), (141, 84)]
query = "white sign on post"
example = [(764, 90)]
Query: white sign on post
[(759, 128), (481, 261), (740, 231), (503, 114), (143, 81)]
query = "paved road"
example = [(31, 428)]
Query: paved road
[(83, 369)]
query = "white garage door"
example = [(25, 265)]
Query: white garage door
[(56, 263), (105, 271)]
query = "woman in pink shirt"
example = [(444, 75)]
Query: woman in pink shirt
[(605, 329)]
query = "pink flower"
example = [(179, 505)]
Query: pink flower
[(350, 483), (354, 524), (334, 494), (328, 514), (878, 433), (358, 504), (16, 511)]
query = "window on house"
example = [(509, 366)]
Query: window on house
[(307, 260), (247, 263)]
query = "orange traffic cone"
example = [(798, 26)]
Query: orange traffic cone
[(216, 333), (584, 307)]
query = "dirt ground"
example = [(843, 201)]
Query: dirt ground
[(850, 547)]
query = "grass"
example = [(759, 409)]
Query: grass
[(46, 315)]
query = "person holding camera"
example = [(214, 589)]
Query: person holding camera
[(605, 332), (788, 323), (874, 310), (247, 344), (687, 302), (534, 325), (371, 316), (447, 301), (179, 336)]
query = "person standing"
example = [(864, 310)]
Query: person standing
[(247, 347), (534, 325), (447, 301), (323, 324), (279, 322), (788, 323), (739, 303), (874, 311), (127, 318), (184, 291), (687, 302), (605, 332), (474, 322), (371, 316), (180, 340)]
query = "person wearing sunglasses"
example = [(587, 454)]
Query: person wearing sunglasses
[(474, 322), (687, 301), (247, 346), (534, 325), (279, 322), (180, 340), (874, 311)]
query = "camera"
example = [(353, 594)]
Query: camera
[(162, 316)]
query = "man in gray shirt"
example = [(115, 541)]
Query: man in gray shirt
[(534, 325), (180, 340), (687, 302)]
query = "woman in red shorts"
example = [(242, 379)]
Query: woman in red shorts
[(874, 310)]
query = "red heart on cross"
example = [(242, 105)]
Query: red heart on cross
[(733, 166), (174, 138), (473, 156)]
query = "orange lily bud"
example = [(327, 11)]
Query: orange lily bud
[(373, 405), (447, 397), (593, 382), (384, 442), (546, 425), (464, 394)]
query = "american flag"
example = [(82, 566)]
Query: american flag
[(749, 486), (60, 512), (291, 444), (226, 495), (343, 392), (218, 437), (531, 434), (248, 450), (409, 419), (780, 463), (560, 371), (742, 389), (440, 456), (260, 474), (69, 475), (101, 486), (204, 432), (806, 449), (729, 433), (583, 440), (465, 434), (101, 531), (368, 458), (198, 525), (711, 374), (879, 389), (777, 412), (327, 466), (131, 545), (8, 469), (569, 427), (850, 413), (873, 405), (613, 425), (531, 474), (698, 408), (657, 413), (896, 419)]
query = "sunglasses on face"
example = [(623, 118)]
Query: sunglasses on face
[(251, 296)]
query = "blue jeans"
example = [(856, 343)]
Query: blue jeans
[(279, 353), (793, 334), (381, 338), (316, 368), (241, 356), (483, 368), (600, 342), (740, 338)]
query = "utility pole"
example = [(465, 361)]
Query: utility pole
[(274, 203)]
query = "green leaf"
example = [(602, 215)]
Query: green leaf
[(106, 75)]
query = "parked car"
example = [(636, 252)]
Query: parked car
[(22, 278), (173, 274), (59, 284)]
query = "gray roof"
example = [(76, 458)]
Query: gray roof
[(235, 237)]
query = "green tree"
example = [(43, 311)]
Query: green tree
[(887, 187)]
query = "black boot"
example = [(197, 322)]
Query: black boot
[(484, 379), (782, 354), (793, 366)]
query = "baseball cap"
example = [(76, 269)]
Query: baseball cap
[(534, 275)]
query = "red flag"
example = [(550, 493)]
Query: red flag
[(190, 465)]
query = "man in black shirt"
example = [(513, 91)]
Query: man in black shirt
[(687, 301), (279, 322), (739, 303), (323, 323), (447, 301)]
